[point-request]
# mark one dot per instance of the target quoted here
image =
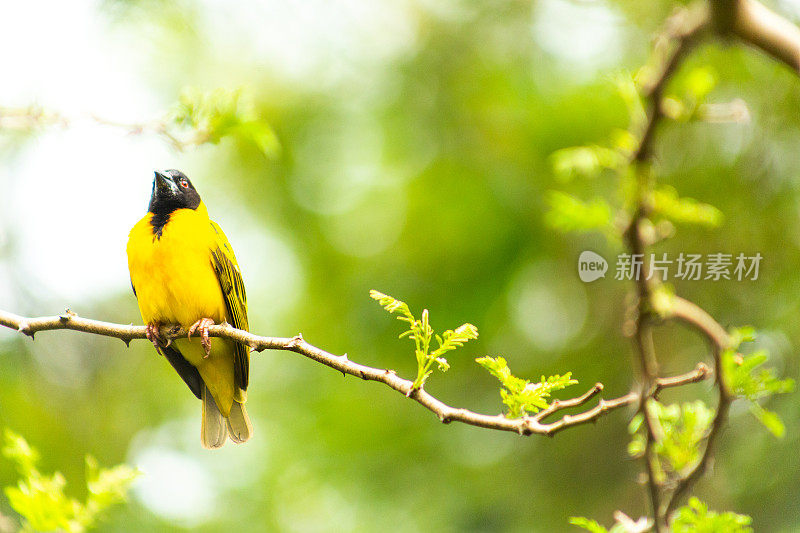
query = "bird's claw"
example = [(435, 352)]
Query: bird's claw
[(202, 326), (153, 333)]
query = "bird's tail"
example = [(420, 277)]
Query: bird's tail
[(239, 426), (213, 430)]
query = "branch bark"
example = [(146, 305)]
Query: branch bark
[(697, 318), (524, 426), (755, 24), (682, 33)]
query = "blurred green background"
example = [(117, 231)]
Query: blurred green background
[(415, 140)]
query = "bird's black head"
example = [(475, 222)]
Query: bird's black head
[(172, 190)]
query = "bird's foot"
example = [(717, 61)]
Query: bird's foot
[(202, 326), (153, 333)]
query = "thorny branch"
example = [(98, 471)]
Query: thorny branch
[(746, 20), (524, 426), (719, 339), (25, 119), (754, 24), (682, 33)]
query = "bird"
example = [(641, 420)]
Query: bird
[(183, 272)]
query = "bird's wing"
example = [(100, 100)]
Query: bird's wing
[(187, 371), (230, 280)]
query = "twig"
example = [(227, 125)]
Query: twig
[(446, 413), (682, 33), (694, 316), (755, 24), (26, 119)]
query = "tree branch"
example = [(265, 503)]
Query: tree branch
[(523, 426), (26, 119), (680, 36), (720, 340), (752, 23), (755, 24)]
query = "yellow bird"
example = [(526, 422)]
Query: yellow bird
[(183, 271)]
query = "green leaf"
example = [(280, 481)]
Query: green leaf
[(519, 395), (587, 524), (568, 213), (41, 500), (682, 427), (770, 420), (452, 339), (391, 304), (747, 381), (585, 161), (421, 332), (696, 518), (107, 486), (740, 335), (699, 82), (16, 449), (689, 93), (667, 204), (222, 113)]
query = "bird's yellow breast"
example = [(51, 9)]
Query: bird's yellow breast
[(173, 275)]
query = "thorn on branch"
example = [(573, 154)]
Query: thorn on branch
[(295, 341), (526, 426), (24, 327)]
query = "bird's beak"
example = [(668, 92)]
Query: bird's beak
[(164, 186)]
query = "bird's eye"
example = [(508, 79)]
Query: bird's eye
[(184, 184)]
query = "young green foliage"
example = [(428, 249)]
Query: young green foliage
[(689, 94), (696, 518), (585, 161), (593, 526), (750, 383), (568, 213), (221, 113), (41, 501), (747, 381), (421, 332), (520, 395), (667, 204), (681, 429), (623, 524)]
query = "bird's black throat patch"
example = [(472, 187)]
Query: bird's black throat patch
[(158, 221), (172, 190)]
